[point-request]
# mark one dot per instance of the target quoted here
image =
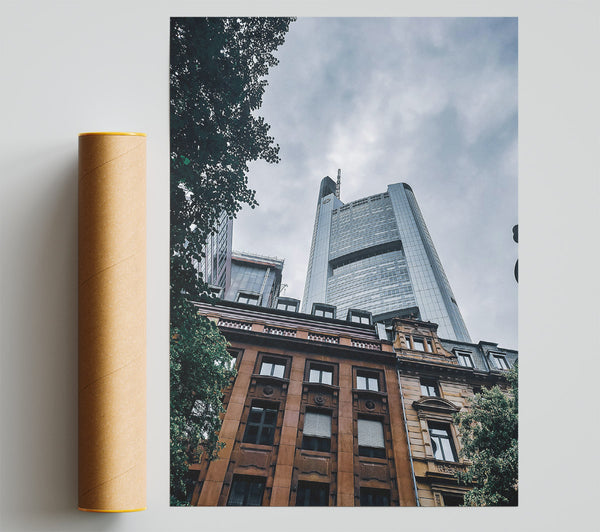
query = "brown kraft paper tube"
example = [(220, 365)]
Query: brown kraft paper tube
[(112, 322)]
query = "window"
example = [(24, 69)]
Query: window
[(499, 361), (272, 367), (357, 316), (441, 442), (322, 374), (418, 344), (317, 432), (453, 500), (232, 362), (246, 491), (429, 388), (367, 381), (312, 494), (249, 299), (371, 441), (464, 359), (324, 311), (291, 307), (407, 338), (374, 497), (429, 345), (260, 427)]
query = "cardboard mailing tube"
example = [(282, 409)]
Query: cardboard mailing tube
[(112, 322)]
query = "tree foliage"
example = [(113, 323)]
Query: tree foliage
[(217, 75), (489, 436), (217, 81), (200, 367)]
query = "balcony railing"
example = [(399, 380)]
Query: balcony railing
[(234, 324), (361, 344), (280, 331), (316, 337)]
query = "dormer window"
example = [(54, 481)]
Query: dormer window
[(359, 316), (249, 299), (464, 359), (323, 311), (499, 361), (419, 343), (291, 305)]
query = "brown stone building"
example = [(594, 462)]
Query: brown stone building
[(314, 416), (332, 412)]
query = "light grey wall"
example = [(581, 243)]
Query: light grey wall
[(69, 67)]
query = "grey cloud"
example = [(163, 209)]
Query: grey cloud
[(432, 102)]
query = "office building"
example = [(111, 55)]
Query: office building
[(375, 254)]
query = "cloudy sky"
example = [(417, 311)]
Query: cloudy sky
[(428, 102)]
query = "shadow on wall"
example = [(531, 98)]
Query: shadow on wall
[(39, 360)]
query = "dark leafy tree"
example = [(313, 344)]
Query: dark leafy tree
[(489, 435), (218, 66), (218, 69)]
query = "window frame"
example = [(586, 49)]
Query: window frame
[(311, 442), (304, 485), (365, 491), (369, 375), (420, 341), (496, 358), (238, 480), (321, 369), (438, 446), (249, 296), (368, 451), (290, 305), (319, 310), (429, 383), (363, 317), (274, 361), (265, 407), (464, 354)]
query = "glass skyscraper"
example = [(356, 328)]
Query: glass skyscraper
[(376, 254)]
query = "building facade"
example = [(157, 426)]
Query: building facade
[(438, 378), (255, 279), (313, 417), (376, 254), (329, 412)]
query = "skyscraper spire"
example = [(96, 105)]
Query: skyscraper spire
[(339, 182)]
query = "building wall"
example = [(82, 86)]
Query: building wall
[(303, 342), (255, 274), (456, 386)]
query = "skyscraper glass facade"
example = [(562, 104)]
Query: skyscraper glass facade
[(376, 254)]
